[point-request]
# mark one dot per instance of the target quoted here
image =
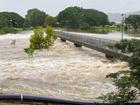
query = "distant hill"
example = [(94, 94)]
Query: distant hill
[(116, 17)]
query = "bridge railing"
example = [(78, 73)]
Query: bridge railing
[(99, 44)]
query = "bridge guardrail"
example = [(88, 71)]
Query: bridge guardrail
[(99, 44)]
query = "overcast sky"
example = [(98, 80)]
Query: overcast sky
[(52, 7)]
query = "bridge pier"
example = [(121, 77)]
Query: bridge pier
[(63, 40), (77, 45)]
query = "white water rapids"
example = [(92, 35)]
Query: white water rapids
[(63, 71)]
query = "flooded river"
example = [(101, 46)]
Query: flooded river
[(62, 71)]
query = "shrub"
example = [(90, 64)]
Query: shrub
[(37, 38), (41, 39), (50, 37)]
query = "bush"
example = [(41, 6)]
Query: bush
[(37, 38), (50, 37), (41, 39)]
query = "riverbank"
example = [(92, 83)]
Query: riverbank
[(7, 30)]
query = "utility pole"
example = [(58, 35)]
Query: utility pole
[(123, 19)]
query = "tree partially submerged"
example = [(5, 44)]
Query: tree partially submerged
[(127, 82), (30, 50), (41, 39)]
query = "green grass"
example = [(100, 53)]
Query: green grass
[(108, 28)]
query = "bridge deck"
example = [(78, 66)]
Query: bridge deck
[(98, 44)]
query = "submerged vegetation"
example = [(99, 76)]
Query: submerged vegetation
[(41, 39), (127, 82)]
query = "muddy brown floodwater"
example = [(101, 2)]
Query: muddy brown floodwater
[(62, 71)]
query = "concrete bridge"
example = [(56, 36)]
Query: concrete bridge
[(92, 42)]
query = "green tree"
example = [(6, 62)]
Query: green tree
[(94, 17), (50, 21), (50, 37), (134, 21), (84, 26), (30, 51), (70, 17), (11, 19), (41, 39), (37, 38), (75, 17), (35, 18)]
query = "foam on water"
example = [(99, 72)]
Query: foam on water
[(62, 71)]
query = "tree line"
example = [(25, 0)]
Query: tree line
[(9, 21), (71, 17)]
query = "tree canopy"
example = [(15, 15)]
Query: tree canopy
[(11, 19), (74, 17), (134, 21), (50, 21), (35, 18)]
